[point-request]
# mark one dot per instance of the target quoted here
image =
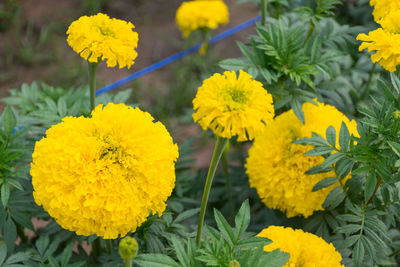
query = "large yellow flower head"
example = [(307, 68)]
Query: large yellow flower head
[(104, 175), (305, 249), (385, 41), (201, 14), (383, 7), (233, 106), (276, 168), (99, 37)]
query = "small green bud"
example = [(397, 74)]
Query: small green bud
[(234, 263), (128, 248), (396, 114)]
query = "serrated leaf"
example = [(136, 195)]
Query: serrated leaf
[(349, 229), (155, 260), (10, 234), (3, 253), (242, 220), (395, 147), (334, 198), (186, 214), (66, 254), (5, 194), (318, 151), (180, 251), (9, 120), (344, 138), (224, 228), (370, 184), (325, 183), (42, 244), (332, 159), (331, 136)]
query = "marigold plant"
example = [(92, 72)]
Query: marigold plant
[(201, 14), (276, 167), (305, 249), (233, 105), (96, 38), (105, 174)]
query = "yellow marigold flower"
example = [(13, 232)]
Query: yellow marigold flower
[(231, 105), (383, 7), (305, 249), (387, 47), (201, 14), (99, 37), (105, 174), (276, 168)]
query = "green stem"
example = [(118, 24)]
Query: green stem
[(366, 90), (128, 263), (96, 248), (92, 67), (218, 150), (376, 189), (310, 32), (227, 181), (109, 246), (264, 6)]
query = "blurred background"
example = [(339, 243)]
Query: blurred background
[(33, 46)]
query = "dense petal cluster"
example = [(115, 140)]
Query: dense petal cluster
[(276, 168), (201, 14), (384, 7), (305, 249), (233, 106), (99, 37), (387, 47), (104, 175), (385, 40)]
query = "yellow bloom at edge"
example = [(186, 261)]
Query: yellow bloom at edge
[(305, 249), (106, 174), (201, 14), (383, 7), (233, 106), (99, 37), (276, 167)]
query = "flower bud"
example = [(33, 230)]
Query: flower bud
[(396, 114), (234, 263), (128, 248)]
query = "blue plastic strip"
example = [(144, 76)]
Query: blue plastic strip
[(177, 56)]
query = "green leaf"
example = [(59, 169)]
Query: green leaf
[(18, 257), (15, 183), (225, 228), (370, 184), (318, 151), (334, 198), (296, 106), (332, 159), (242, 219), (348, 218), (5, 194), (23, 219), (42, 243), (395, 147), (344, 138), (66, 254), (3, 253), (331, 136), (325, 183), (10, 120), (349, 229), (156, 260), (180, 251), (274, 258), (10, 234), (233, 64), (186, 214)]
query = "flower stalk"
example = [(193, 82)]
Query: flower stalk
[(92, 68), (227, 180), (264, 4), (218, 150)]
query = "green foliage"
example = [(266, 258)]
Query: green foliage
[(219, 247)]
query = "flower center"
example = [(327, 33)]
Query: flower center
[(235, 99), (106, 31)]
